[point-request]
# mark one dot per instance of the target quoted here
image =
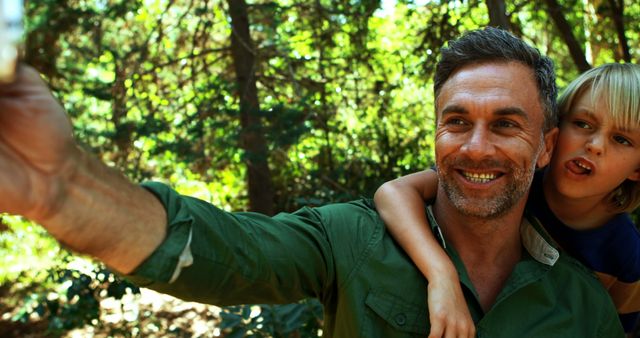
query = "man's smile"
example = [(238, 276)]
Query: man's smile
[(476, 177)]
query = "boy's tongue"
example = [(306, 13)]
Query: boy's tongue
[(577, 169)]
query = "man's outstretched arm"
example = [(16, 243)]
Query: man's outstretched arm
[(46, 177)]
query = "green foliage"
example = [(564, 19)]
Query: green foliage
[(302, 319), (345, 104), (55, 286), (25, 249), (74, 301)]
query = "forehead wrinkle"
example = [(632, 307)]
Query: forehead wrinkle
[(454, 108), (506, 111)]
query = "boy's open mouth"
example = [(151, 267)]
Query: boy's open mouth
[(581, 167)]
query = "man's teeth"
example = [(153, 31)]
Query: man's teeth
[(479, 178)]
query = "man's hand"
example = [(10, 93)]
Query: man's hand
[(45, 176), (37, 149)]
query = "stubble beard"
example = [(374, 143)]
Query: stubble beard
[(484, 207)]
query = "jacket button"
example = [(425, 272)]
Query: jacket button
[(401, 319)]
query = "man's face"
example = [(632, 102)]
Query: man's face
[(489, 137)]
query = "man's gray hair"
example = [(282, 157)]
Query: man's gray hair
[(494, 44)]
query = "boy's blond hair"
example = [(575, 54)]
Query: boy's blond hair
[(618, 86)]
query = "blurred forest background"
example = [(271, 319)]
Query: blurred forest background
[(253, 105)]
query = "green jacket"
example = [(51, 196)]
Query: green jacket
[(342, 255)]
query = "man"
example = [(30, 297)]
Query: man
[(495, 110)]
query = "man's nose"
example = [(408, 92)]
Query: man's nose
[(478, 143)]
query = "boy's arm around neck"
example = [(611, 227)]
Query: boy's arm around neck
[(400, 203)]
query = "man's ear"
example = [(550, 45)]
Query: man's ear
[(549, 139)]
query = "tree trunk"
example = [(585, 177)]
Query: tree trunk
[(617, 14), (498, 14), (261, 196), (565, 30)]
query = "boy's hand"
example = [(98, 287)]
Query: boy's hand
[(448, 312)]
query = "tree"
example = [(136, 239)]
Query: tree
[(565, 29), (260, 188), (498, 14), (617, 14)]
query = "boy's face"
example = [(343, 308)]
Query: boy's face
[(593, 156), (489, 137)]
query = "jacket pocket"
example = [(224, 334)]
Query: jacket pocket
[(394, 314)]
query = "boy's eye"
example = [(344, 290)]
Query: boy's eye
[(581, 124), (622, 140)]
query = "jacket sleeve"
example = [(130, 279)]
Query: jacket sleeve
[(238, 257)]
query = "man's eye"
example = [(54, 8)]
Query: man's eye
[(622, 140), (456, 122), (505, 124)]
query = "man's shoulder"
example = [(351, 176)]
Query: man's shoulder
[(566, 272), (361, 206), (348, 222), (574, 277), (576, 269), (357, 212), (356, 220)]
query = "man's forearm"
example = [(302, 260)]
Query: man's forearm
[(103, 214)]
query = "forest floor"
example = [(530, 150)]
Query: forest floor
[(147, 315)]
